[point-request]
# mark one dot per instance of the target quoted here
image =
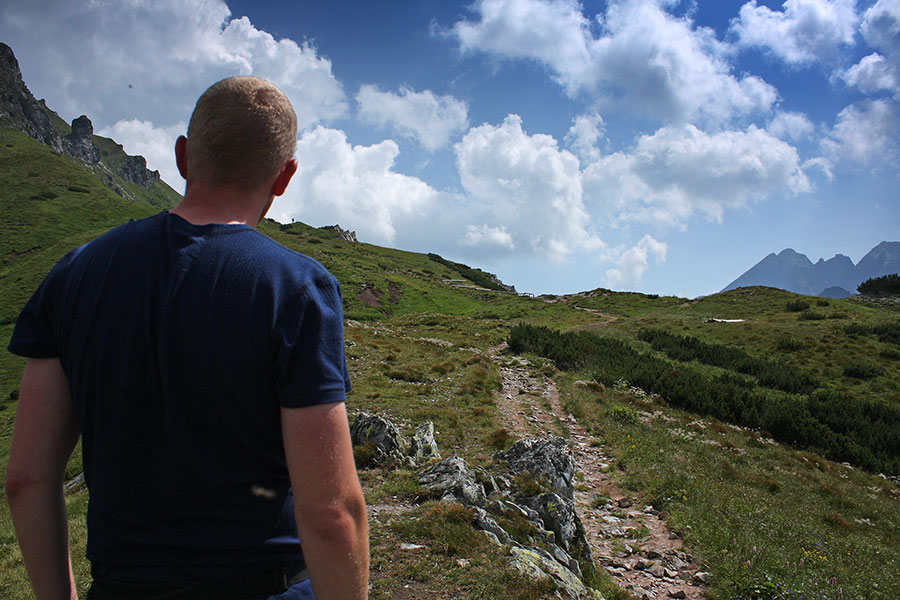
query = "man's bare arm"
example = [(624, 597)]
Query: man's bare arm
[(44, 436), (328, 500)]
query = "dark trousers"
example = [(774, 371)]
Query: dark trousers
[(282, 584)]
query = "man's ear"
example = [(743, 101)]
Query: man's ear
[(181, 156), (284, 177)]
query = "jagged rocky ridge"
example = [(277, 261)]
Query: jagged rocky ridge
[(19, 109), (836, 277)]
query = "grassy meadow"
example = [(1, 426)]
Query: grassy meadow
[(768, 519)]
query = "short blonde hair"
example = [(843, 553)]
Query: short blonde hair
[(242, 131)]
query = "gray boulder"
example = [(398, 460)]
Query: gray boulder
[(549, 458), (423, 447), (539, 564), (559, 516), (450, 479), (388, 444)]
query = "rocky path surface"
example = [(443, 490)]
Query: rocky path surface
[(631, 541)]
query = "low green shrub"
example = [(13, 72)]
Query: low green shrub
[(811, 315), (796, 306), (861, 370)]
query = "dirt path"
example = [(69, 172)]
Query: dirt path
[(631, 541)]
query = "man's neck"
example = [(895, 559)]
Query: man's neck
[(202, 205)]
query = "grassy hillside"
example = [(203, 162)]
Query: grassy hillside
[(767, 519)]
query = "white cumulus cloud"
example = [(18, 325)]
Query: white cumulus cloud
[(804, 32), (866, 133), (791, 126), (117, 60), (355, 187), (583, 136), (644, 59), (680, 170), (632, 263), (527, 185), (879, 71), (429, 118)]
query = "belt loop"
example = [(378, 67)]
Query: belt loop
[(281, 578)]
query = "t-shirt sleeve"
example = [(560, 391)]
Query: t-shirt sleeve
[(311, 362), (35, 333)]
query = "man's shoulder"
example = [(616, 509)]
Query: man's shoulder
[(285, 257)]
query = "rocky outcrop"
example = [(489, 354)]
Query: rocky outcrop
[(80, 143), (19, 109), (341, 234), (555, 540), (134, 169), (380, 442), (549, 458)]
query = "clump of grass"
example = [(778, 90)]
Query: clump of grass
[(599, 501), (499, 439), (364, 454), (408, 374), (837, 521), (811, 315), (890, 353), (861, 370), (529, 485), (447, 528), (789, 344), (623, 414), (796, 306), (637, 533)]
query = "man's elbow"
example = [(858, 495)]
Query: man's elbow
[(18, 483), (345, 520)]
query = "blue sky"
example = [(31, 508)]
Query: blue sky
[(649, 145)]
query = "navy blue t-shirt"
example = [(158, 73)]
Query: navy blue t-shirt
[(181, 342)]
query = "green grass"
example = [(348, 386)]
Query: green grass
[(749, 508)]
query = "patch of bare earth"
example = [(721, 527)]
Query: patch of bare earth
[(631, 541)]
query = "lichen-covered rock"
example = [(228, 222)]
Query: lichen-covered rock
[(451, 479), (389, 445), (485, 522), (559, 516), (423, 447), (538, 564), (549, 458)]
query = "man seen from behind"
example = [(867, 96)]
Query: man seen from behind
[(202, 364)]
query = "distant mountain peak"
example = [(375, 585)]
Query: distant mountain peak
[(793, 271)]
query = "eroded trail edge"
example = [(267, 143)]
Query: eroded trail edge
[(632, 542)]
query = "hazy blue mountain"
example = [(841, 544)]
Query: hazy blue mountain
[(836, 277)]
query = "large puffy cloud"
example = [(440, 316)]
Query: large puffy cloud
[(806, 31), (866, 133), (119, 60), (681, 170), (430, 119), (879, 71), (644, 58), (632, 263), (355, 186), (529, 191), (791, 126)]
